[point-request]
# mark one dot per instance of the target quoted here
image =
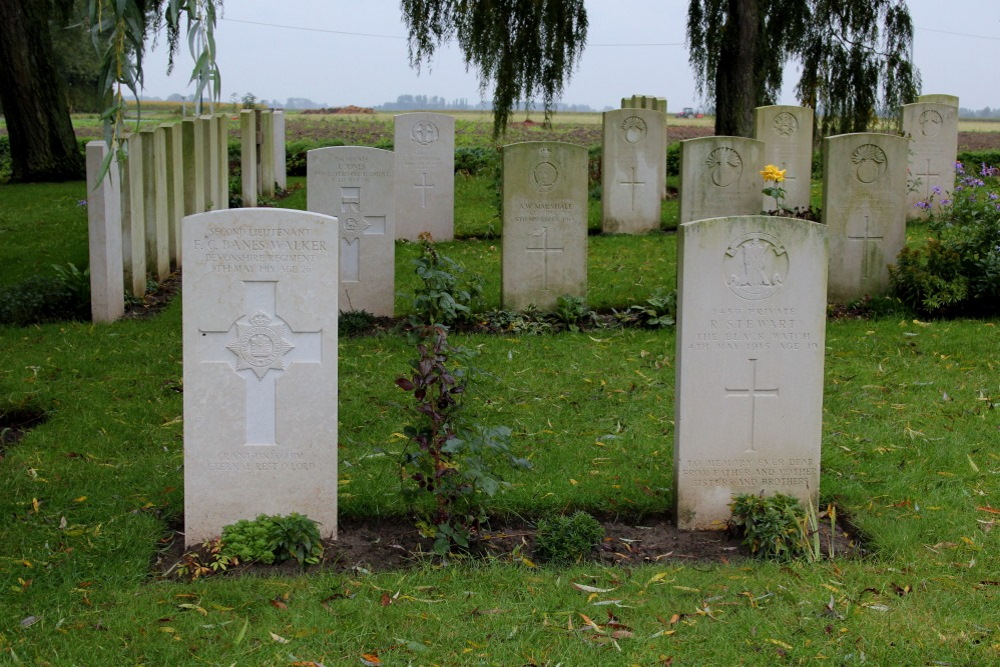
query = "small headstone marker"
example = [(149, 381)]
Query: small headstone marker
[(633, 170), (260, 368), (133, 220), (174, 158), (936, 98), (248, 157), (933, 133), (194, 166), (864, 208), (265, 156), (787, 133), (104, 232), (222, 123), (720, 176), (425, 175), (750, 350), (645, 102), (210, 138), (154, 190), (544, 224), (355, 185)]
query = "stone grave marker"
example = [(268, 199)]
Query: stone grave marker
[(749, 368), (194, 166), (936, 98), (260, 368), (544, 224), (787, 133), (265, 155), (210, 140), (355, 185), (864, 207), (645, 102), (154, 191), (280, 164), (933, 133), (174, 160), (633, 170), (248, 157), (720, 176), (222, 123), (104, 233), (425, 175), (133, 219)]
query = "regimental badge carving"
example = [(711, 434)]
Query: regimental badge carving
[(634, 129), (930, 122), (755, 265), (424, 132), (352, 227), (785, 124), (870, 162), (545, 174), (725, 166), (261, 343)]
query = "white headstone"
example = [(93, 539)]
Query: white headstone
[(633, 170), (720, 176), (933, 133), (154, 191), (210, 140), (425, 175), (194, 166), (749, 369), (355, 184), (864, 207), (133, 220), (248, 157), (260, 368), (174, 145), (280, 165), (104, 231), (222, 122), (544, 224), (266, 156), (787, 133), (937, 98)]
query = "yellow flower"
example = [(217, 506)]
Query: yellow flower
[(772, 173)]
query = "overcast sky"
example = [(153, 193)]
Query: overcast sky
[(342, 52)]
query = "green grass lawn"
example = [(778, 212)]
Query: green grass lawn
[(910, 455)]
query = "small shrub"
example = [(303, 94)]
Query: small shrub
[(63, 296), (354, 322), (772, 526), (674, 159), (572, 313), (273, 539), (477, 160), (192, 566), (445, 297), (567, 539)]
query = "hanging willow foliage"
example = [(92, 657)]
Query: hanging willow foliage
[(525, 48), (855, 57)]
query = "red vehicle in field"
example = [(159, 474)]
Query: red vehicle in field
[(689, 112)]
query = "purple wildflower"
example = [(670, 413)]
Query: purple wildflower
[(922, 205), (959, 168), (945, 202), (994, 196), (936, 189), (81, 203)]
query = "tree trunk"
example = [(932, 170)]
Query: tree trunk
[(735, 87), (42, 144)]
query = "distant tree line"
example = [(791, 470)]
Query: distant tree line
[(433, 102), (985, 112)]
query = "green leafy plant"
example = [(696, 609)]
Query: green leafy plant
[(656, 312), (63, 296), (572, 313), (354, 322), (445, 295), (772, 527), (567, 539), (453, 460), (194, 565), (274, 539)]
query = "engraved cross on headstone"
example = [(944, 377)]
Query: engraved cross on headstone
[(927, 174), (752, 391), (542, 246), (632, 183), (259, 347), (353, 225), (868, 241), (423, 186)]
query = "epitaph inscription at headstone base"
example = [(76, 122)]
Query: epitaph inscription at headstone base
[(720, 176), (544, 241), (104, 234), (425, 175), (787, 133), (633, 170), (260, 368), (355, 185), (933, 133), (749, 368), (864, 208)]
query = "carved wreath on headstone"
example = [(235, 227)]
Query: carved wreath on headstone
[(634, 129), (785, 124), (870, 162), (930, 122), (725, 166)]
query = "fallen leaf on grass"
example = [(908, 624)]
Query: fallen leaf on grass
[(370, 660), (277, 604), (29, 621), (591, 589), (485, 612), (278, 638), (188, 605), (778, 642)]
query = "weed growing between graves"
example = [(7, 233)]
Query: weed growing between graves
[(957, 272), (567, 539), (778, 527), (273, 539)]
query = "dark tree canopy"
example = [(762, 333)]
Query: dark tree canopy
[(525, 48), (854, 55)]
